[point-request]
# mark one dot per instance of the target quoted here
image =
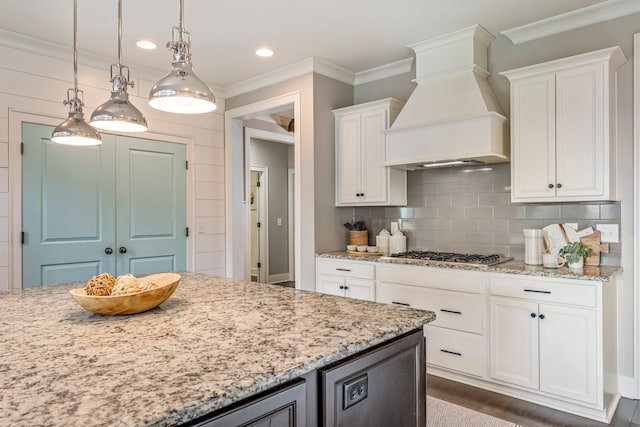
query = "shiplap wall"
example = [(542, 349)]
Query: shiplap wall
[(36, 83)]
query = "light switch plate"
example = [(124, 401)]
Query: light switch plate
[(608, 233)]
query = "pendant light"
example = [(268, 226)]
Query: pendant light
[(118, 114), (74, 130), (181, 91)]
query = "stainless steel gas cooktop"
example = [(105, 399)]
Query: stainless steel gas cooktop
[(476, 260)]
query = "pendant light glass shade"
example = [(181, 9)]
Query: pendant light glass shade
[(74, 130), (181, 91), (118, 114)]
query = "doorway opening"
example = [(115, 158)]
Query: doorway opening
[(238, 179), (270, 156)]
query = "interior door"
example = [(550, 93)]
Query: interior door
[(151, 220), (67, 213), (118, 207)]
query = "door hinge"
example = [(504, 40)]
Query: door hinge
[(258, 184), (186, 164), (22, 148), (259, 264), (258, 225), (22, 237), (187, 232)]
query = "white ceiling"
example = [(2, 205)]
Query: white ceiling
[(354, 34)]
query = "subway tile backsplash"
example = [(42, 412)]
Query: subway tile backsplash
[(469, 210)]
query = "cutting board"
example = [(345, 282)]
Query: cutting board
[(593, 241)]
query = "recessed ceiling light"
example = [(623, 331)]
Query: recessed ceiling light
[(146, 44), (264, 52)]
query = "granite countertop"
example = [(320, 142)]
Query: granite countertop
[(600, 274), (214, 342)]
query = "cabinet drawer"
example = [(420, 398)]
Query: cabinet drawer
[(453, 280), (545, 290), (361, 270), (454, 310), (458, 351)]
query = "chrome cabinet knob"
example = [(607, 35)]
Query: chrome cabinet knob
[(122, 250), (108, 251)]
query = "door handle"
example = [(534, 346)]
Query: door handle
[(108, 251), (122, 250)]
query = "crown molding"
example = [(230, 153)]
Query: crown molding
[(308, 65), (49, 49), (579, 18), (384, 71)]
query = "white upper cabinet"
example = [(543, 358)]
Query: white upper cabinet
[(361, 178), (563, 128)]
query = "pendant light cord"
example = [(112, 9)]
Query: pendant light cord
[(181, 11), (119, 33), (75, 48)]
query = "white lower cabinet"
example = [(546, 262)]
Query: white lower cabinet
[(455, 339), (551, 341), (353, 279), (543, 346)]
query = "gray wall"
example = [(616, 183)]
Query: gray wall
[(328, 94), (315, 127), (432, 226), (275, 156)]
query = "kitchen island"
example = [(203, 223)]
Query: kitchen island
[(214, 343)]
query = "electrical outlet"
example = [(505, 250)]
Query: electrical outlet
[(201, 228), (355, 391), (279, 222), (609, 233)]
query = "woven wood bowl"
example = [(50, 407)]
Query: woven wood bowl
[(130, 304)]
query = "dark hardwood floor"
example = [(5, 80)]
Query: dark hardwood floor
[(524, 413)]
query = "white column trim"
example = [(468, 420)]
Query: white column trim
[(636, 215)]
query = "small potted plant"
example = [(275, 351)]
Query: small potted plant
[(575, 254)]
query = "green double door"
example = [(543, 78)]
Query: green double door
[(119, 207)]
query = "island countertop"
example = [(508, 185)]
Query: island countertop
[(216, 341)]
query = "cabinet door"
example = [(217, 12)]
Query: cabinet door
[(330, 285), (348, 159), (374, 175), (360, 289), (580, 137), (285, 407), (568, 353), (533, 138), (514, 341)]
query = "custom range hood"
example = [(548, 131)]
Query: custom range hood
[(452, 117)]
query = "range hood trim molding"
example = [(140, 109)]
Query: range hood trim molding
[(482, 137), (444, 122)]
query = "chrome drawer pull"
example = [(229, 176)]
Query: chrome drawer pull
[(538, 292), (450, 311), (343, 269), (455, 353), (400, 303)]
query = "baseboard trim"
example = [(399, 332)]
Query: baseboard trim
[(284, 277), (628, 387)]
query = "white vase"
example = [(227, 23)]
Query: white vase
[(577, 265)]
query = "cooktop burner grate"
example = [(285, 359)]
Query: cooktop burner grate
[(452, 257)]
